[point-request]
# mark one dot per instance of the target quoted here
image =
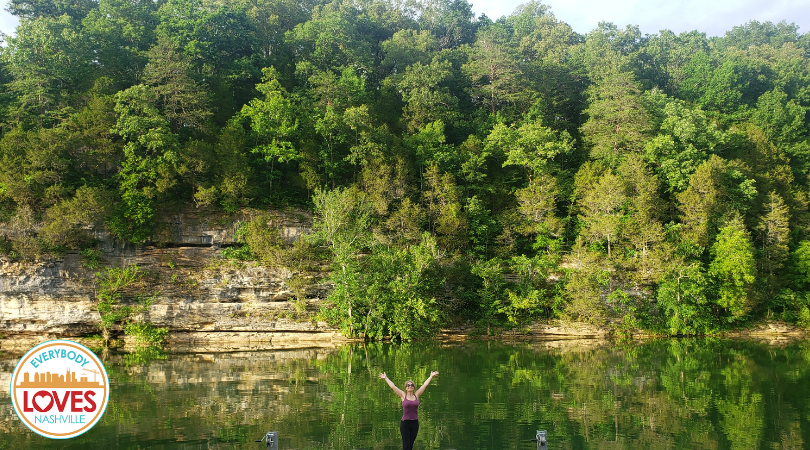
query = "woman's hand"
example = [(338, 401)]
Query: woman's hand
[(434, 373), (383, 376)]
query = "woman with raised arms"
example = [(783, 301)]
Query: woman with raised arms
[(409, 425)]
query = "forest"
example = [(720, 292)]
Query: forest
[(460, 169)]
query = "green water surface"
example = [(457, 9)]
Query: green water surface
[(668, 394)]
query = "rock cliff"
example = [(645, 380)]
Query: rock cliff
[(203, 299)]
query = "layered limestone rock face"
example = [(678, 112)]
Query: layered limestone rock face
[(199, 296), (46, 298)]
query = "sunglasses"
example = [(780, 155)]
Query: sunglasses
[(409, 385)]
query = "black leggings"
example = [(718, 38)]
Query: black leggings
[(408, 430)]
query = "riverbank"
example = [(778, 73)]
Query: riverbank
[(554, 334), (772, 331), (210, 303)]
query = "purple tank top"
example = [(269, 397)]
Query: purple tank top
[(409, 408)]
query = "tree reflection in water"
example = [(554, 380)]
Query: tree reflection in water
[(667, 394)]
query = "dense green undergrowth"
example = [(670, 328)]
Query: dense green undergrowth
[(121, 301)]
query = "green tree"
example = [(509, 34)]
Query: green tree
[(66, 222), (607, 49), (273, 122), (682, 295), (403, 225), (603, 209), (799, 273), (729, 85), (532, 296), (494, 69), (774, 229), (385, 175), (482, 227), (220, 174), (262, 239), (330, 40), (492, 291), (618, 122), (646, 252), (664, 56), (450, 21), (426, 99), (537, 205), (121, 33), (182, 100), (585, 280), (717, 191), (95, 150), (533, 148), (49, 59), (686, 139), (120, 295), (220, 42), (148, 169), (733, 270), (782, 120), (444, 209), (343, 223), (35, 165), (33, 9), (331, 96), (756, 33), (405, 48), (397, 289)]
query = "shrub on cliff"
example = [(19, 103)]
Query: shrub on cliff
[(119, 315), (67, 223)]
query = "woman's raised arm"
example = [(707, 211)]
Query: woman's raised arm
[(425, 384), (393, 386)]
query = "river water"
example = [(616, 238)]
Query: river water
[(667, 394)]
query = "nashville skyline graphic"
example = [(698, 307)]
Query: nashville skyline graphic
[(55, 380)]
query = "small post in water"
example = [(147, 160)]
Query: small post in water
[(271, 439), (542, 444)]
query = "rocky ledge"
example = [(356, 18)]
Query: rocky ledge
[(199, 296)]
